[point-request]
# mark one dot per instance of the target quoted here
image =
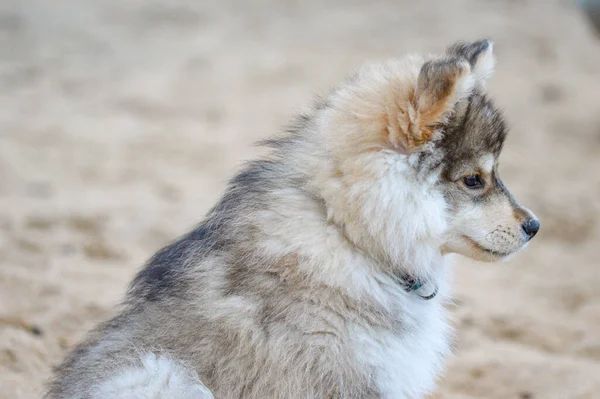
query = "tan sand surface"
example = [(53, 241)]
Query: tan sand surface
[(121, 120)]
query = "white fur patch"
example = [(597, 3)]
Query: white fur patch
[(407, 366), (156, 377), (487, 163), (465, 85), (484, 68)]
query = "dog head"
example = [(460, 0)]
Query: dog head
[(485, 221), (415, 158)]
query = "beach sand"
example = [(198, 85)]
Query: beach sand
[(121, 121)]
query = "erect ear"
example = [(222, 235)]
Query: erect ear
[(441, 84), (479, 55)]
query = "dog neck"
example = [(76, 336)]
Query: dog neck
[(425, 286), (425, 290)]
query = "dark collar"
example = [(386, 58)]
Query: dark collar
[(417, 286)]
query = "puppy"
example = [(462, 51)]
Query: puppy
[(320, 272)]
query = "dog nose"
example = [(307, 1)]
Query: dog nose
[(531, 227)]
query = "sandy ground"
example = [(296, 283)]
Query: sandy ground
[(121, 120)]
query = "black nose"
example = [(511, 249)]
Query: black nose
[(531, 227)]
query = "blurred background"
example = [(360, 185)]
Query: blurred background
[(121, 121)]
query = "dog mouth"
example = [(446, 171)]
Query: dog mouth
[(476, 245)]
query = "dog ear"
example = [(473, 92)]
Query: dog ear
[(479, 55), (440, 85)]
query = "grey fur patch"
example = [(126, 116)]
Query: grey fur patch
[(163, 275), (478, 130), (469, 51)]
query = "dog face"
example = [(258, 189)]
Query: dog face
[(485, 221)]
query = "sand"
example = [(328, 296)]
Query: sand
[(121, 120)]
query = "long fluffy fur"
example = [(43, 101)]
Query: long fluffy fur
[(290, 287)]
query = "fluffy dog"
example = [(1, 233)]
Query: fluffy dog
[(320, 273)]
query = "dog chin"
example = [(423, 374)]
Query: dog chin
[(488, 254), (472, 249)]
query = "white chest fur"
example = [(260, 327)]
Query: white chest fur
[(407, 362)]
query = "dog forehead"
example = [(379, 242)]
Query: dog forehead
[(474, 135)]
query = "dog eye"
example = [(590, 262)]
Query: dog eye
[(473, 182)]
